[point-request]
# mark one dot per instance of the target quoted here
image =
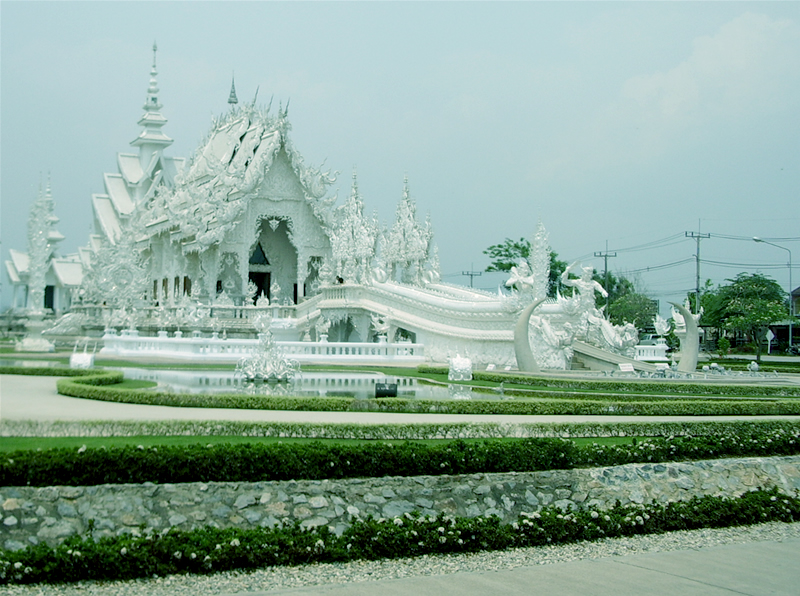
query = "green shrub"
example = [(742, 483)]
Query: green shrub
[(210, 550), (316, 460), (100, 387)]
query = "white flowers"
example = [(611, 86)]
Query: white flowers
[(82, 449), (397, 521), (123, 551), (235, 542), (595, 515)]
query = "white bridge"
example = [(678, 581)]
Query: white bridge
[(432, 323)]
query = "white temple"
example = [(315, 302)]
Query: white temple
[(246, 228), (41, 279)]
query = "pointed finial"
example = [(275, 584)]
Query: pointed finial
[(255, 97), (155, 49), (232, 99)]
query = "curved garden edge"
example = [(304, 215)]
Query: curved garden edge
[(100, 387)]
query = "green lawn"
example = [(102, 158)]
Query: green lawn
[(32, 443)]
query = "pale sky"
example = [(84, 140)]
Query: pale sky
[(626, 123)]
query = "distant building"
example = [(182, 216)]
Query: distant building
[(42, 280)]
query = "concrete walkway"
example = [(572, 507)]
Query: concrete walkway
[(753, 568), (24, 397), (756, 569)]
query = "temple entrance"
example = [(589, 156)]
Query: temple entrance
[(261, 279), (273, 261)]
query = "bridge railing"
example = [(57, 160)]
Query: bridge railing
[(218, 349)]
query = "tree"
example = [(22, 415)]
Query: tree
[(506, 255), (633, 308), (749, 303), (618, 287)]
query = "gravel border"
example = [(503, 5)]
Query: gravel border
[(283, 578)]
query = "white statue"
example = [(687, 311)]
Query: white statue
[(460, 369), (661, 325), (521, 277), (380, 325), (585, 285)]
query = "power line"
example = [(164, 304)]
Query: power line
[(472, 274), (697, 236), (664, 266), (606, 255)]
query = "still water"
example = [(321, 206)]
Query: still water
[(307, 384)]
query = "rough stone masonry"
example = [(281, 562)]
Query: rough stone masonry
[(29, 515)]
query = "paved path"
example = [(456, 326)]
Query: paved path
[(756, 569), (24, 397), (753, 568)]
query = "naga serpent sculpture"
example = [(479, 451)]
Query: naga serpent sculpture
[(689, 342), (522, 344)]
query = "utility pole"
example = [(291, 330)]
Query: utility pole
[(698, 237), (471, 274), (605, 256)]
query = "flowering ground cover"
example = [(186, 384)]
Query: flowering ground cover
[(210, 550)]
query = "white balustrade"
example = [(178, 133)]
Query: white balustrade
[(215, 349), (655, 353)]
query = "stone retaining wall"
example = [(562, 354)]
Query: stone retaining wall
[(31, 515)]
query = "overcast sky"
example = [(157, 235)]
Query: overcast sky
[(626, 123)]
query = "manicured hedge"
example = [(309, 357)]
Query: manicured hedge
[(47, 371), (276, 461), (211, 550), (99, 387), (615, 385), (389, 431)]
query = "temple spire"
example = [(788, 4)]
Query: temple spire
[(151, 140), (232, 99)]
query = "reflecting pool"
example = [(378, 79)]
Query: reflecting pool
[(305, 384)]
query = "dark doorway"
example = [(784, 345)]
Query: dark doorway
[(49, 294), (262, 280)]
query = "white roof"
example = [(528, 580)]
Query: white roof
[(68, 271), (106, 216), (129, 167), (118, 191), (95, 242), (85, 254), (13, 274), (20, 259)]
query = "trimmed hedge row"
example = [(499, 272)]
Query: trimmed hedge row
[(609, 385), (45, 371), (252, 462), (211, 550), (628, 387), (391, 431), (97, 387)]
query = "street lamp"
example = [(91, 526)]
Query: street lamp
[(791, 300)]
